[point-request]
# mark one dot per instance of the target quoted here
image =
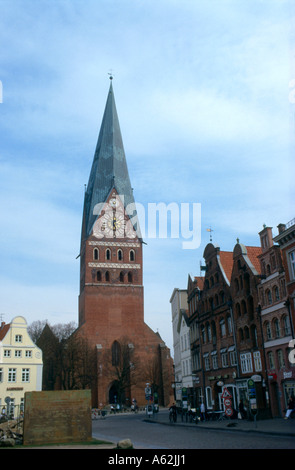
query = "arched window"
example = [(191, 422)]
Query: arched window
[(222, 327), (203, 333), (95, 254), (277, 328), (241, 334), (271, 361), (268, 330), (250, 307), (116, 352), (129, 277), (229, 325), (269, 297), (216, 302), (254, 335), (287, 328), (246, 333), (276, 293), (244, 308), (131, 255), (108, 254), (213, 328), (107, 276), (120, 255), (247, 282), (238, 310), (121, 276), (281, 359), (209, 336), (98, 276)]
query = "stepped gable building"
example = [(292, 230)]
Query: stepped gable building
[(246, 277), (212, 340), (111, 300)]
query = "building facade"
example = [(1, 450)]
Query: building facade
[(181, 345), (111, 300), (241, 319), (286, 242), (20, 365), (246, 276)]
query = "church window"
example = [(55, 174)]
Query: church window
[(95, 254), (131, 255), (121, 276), (98, 276), (129, 277), (120, 255), (108, 254), (107, 276), (116, 350)]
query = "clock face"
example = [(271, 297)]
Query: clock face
[(110, 225)]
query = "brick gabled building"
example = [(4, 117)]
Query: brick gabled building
[(246, 276), (111, 300), (212, 332), (286, 242), (276, 324)]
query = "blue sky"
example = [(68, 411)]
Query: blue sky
[(201, 88)]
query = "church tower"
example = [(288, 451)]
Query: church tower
[(111, 300)]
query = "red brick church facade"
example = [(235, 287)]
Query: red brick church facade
[(111, 301)]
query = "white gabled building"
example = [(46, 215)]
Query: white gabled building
[(181, 343), (21, 365)]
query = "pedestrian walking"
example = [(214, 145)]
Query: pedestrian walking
[(291, 407), (203, 412), (242, 410)]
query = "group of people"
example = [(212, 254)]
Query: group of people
[(242, 414)]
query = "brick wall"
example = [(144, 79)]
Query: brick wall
[(57, 417)]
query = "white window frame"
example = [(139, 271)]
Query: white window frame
[(26, 375), (257, 361), (246, 363), (11, 374)]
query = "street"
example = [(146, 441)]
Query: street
[(150, 435)]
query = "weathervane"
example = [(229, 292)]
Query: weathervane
[(111, 74), (210, 230)]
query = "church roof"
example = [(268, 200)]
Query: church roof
[(109, 168)]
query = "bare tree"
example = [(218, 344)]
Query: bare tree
[(123, 366), (78, 364)]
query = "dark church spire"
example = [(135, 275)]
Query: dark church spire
[(109, 168)]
